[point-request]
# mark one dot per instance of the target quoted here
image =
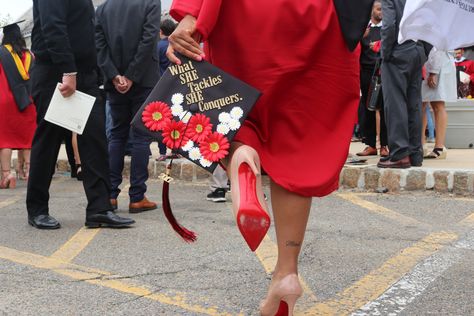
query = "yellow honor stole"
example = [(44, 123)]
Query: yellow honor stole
[(22, 68)]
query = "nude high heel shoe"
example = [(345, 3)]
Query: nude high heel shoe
[(8, 182), (248, 202), (282, 296)]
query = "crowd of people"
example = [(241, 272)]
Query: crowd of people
[(280, 131), (445, 77)]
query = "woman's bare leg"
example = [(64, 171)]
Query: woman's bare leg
[(291, 213), (5, 161), (424, 122), (441, 122)]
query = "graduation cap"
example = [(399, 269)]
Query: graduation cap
[(12, 27), (196, 109)]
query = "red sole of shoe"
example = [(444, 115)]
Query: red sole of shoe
[(282, 309), (252, 220)]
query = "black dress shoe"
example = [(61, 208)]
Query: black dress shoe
[(108, 219), (44, 222)]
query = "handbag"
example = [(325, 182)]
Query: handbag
[(374, 96)]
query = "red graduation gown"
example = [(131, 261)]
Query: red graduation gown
[(294, 52), (16, 128)]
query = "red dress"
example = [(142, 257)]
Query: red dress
[(16, 128), (294, 52)]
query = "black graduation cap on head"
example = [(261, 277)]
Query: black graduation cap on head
[(12, 27), (196, 110)]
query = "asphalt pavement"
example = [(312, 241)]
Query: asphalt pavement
[(364, 254)]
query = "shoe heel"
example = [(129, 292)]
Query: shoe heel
[(290, 301), (12, 183), (253, 221), (92, 225), (443, 154)]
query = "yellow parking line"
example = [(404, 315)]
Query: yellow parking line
[(267, 255), (468, 221), (371, 286), (10, 201), (378, 209), (105, 279), (74, 246)]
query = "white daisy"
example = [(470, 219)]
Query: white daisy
[(195, 154), (177, 99), (185, 117), (189, 145), (223, 129), (205, 163), (234, 125), (236, 113), (224, 117), (176, 110)]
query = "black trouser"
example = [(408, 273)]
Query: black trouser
[(401, 82), (367, 119), (47, 141)]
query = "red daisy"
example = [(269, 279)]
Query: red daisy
[(174, 134), (214, 147), (155, 115), (199, 127)]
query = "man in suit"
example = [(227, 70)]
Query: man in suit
[(126, 38), (63, 43), (368, 60), (401, 82)]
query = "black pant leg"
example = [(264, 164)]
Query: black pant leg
[(69, 150), (395, 83), (93, 150), (46, 142), (415, 124), (368, 122), (383, 128)]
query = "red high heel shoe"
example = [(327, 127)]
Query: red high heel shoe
[(248, 201), (282, 297)]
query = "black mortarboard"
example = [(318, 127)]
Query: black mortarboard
[(195, 109), (12, 27)]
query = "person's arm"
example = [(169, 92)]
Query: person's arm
[(104, 59), (198, 18), (53, 17), (147, 46), (181, 8), (389, 28)]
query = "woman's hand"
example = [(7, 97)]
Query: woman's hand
[(432, 81), (185, 40)]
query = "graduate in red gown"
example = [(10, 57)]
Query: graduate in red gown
[(467, 66), (17, 126), (300, 129)]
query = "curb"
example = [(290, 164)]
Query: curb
[(364, 178), (369, 178)]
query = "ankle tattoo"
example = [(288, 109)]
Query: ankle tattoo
[(291, 243)]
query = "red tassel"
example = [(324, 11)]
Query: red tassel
[(187, 235)]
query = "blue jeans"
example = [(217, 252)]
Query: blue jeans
[(431, 127), (123, 108)]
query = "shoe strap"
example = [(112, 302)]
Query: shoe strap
[(437, 151)]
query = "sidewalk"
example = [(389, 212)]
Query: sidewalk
[(454, 174)]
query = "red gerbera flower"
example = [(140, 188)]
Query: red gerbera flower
[(174, 134), (155, 115), (214, 147), (199, 127)]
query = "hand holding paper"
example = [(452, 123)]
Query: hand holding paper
[(71, 112)]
